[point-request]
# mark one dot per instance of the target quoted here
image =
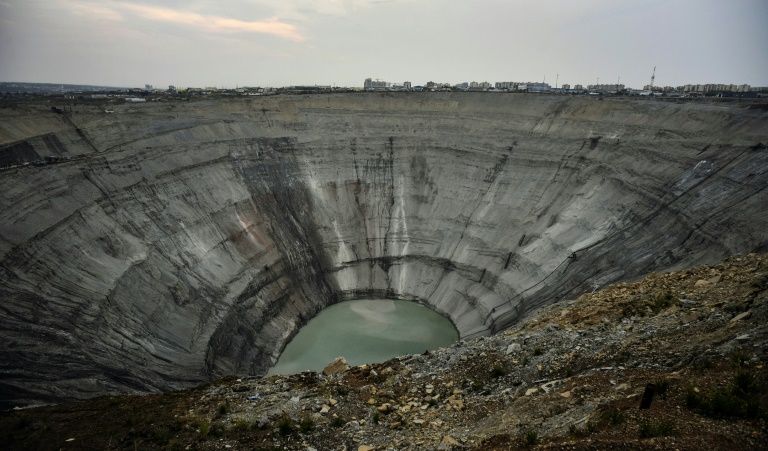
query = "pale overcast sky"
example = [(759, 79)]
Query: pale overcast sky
[(283, 42)]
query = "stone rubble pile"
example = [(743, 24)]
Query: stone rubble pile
[(551, 374)]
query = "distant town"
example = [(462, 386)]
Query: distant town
[(151, 93), (690, 90)]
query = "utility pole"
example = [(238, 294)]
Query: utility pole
[(556, 80)]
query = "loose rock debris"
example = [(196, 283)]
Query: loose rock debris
[(572, 376)]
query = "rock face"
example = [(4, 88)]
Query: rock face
[(169, 243)]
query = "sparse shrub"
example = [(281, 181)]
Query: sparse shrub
[(723, 403), (222, 410), (204, 427), (376, 418), (662, 387), (337, 422), (740, 358), (211, 429), (306, 425), (285, 425), (745, 384), (655, 428), (538, 351), (342, 390), (740, 399), (498, 371), (613, 416), (530, 437), (241, 425), (693, 400), (662, 301)]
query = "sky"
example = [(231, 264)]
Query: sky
[(228, 43)]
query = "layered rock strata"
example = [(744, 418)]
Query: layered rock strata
[(169, 243)]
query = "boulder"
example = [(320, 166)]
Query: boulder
[(339, 365)]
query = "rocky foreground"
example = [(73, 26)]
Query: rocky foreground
[(690, 344)]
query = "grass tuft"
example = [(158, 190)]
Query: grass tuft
[(530, 437), (613, 416), (498, 371), (740, 399), (285, 426), (337, 422), (306, 425), (655, 428), (222, 410)]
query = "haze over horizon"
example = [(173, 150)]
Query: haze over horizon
[(341, 42)]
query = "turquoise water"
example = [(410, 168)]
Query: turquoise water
[(365, 331)]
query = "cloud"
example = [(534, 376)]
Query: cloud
[(202, 14), (308, 10), (116, 11), (95, 11), (214, 23)]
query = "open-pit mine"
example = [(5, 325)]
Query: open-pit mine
[(152, 247)]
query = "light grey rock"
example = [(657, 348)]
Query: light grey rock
[(741, 316)]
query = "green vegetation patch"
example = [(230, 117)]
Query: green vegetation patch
[(656, 428), (744, 397)]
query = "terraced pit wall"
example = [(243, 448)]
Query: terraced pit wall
[(171, 243)]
